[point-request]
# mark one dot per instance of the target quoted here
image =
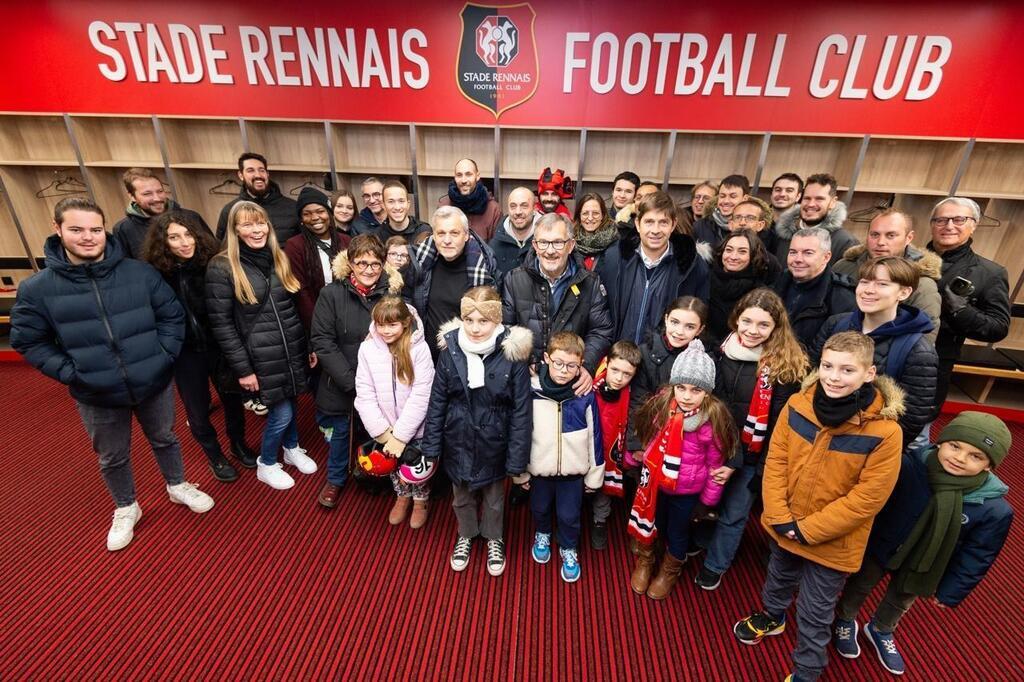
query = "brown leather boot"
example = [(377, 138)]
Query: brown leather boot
[(634, 546), (666, 579), (419, 513), (399, 511), (643, 569)]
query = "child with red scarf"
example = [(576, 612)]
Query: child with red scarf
[(689, 433)]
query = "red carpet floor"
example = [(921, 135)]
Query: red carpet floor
[(268, 585)]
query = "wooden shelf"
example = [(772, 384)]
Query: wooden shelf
[(807, 155), (440, 148), (117, 142), (126, 163), (207, 165), (700, 157), (38, 140), (609, 153), (52, 163), (525, 152), (289, 145), (193, 188), (995, 170), (35, 214), (377, 171), (372, 149), (203, 143), (910, 166)]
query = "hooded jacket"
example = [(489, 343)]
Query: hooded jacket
[(789, 222), (281, 209), (131, 230), (365, 222), (508, 254), (384, 402), (984, 526), (925, 297), (827, 295), (526, 300), (304, 257), (341, 321), (482, 434), (831, 481), (901, 353), (109, 330), (567, 438)]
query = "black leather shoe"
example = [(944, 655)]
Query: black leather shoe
[(222, 469), (245, 455)]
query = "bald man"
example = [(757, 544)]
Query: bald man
[(468, 194), (511, 242)]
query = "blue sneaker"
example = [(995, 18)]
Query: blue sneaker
[(541, 547), (885, 646), (570, 565), (844, 637)]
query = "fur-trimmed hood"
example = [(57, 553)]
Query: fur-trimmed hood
[(516, 346), (929, 264), (341, 269), (789, 222), (893, 404)]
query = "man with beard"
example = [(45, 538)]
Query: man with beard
[(512, 241), (471, 196), (624, 188), (819, 207), (552, 191), (714, 226), (787, 189), (399, 222), (147, 199), (373, 214), (259, 188)]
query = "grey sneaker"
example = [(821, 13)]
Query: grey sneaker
[(460, 555)]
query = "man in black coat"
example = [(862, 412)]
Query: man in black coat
[(811, 291), (147, 199), (819, 207), (552, 292), (511, 242), (258, 187), (109, 328), (975, 291)]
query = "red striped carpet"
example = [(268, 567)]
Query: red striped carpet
[(269, 586)]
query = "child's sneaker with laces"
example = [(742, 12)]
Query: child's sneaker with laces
[(885, 646), (192, 497), (496, 557), (757, 626), (460, 555), (122, 529), (844, 637), (298, 458), (570, 565), (541, 551), (707, 579)]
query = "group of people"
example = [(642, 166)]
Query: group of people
[(673, 363)]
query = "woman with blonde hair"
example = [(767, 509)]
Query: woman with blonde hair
[(249, 287)]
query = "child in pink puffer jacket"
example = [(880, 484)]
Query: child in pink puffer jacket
[(689, 433), (393, 379)]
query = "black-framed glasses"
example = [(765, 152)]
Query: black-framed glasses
[(557, 245), (958, 220), (571, 366)]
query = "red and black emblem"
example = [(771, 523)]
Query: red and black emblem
[(497, 65)]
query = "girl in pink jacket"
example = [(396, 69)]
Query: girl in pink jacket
[(393, 379), (689, 433)]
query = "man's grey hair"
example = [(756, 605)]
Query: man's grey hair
[(963, 202), (447, 213), (822, 235), (551, 220)]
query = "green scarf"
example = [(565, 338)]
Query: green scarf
[(594, 243), (920, 561)]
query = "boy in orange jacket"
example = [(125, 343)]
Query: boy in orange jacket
[(833, 461)]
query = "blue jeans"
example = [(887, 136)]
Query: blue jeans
[(337, 450), (280, 429), (561, 497), (732, 519), (672, 519)]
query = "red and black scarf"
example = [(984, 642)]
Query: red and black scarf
[(614, 417), (659, 472), (755, 429)]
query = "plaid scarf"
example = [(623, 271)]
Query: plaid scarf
[(477, 272), (614, 416)]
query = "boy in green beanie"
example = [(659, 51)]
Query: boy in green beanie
[(938, 534)]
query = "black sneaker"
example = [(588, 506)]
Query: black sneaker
[(708, 580), (222, 469), (599, 536), (757, 626), (245, 455), (495, 557)]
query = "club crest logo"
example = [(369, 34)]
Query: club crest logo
[(497, 66)]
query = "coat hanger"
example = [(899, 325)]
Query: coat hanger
[(226, 184), (62, 185), (309, 182), (866, 215)]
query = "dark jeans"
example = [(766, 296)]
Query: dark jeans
[(280, 430), (819, 588), (560, 496), (892, 607), (110, 429), (672, 519), (337, 448), (192, 376), (491, 502), (737, 499)]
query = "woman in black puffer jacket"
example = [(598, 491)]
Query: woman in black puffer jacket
[(740, 265), (249, 289)]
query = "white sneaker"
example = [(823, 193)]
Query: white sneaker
[(298, 458), (189, 495), (256, 407), (274, 475), (122, 530)]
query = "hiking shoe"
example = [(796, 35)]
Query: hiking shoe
[(192, 497), (541, 547), (274, 475), (757, 626), (122, 530), (885, 646), (844, 637), (707, 579), (570, 565), (460, 555), (256, 407), (495, 557), (298, 458), (599, 536)]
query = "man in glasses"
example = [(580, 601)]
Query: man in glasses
[(257, 186), (552, 292), (373, 213), (975, 291), (712, 228), (819, 207)]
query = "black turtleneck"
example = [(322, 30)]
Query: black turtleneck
[(261, 259), (447, 284)]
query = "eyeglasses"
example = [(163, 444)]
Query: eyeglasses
[(557, 245), (375, 195), (363, 265), (745, 219), (959, 221), (571, 366)]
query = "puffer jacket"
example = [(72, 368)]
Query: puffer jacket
[(789, 222), (263, 338), (384, 402), (701, 455), (919, 374), (109, 330), (829, 294), (341, 321), (567, 438), (653, 373), (984, 527), (925, 297), (482, 434), (281, 209), (526, 300), (831, 482)]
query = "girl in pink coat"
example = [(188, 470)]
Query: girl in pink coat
[(393, 379)]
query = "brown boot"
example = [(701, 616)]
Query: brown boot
[(399, 511), (643, 569), (419, 513), (634, 546), (666, 579)]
